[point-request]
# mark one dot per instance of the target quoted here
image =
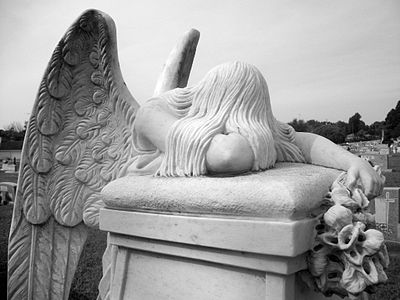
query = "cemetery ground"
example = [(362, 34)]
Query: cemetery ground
[(87, 277), (88, 274)]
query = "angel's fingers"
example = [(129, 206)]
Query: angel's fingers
[(372, 186), (351, 180), (378, 185), (378, 169), (375, 189), (383, 181), (381, 185)]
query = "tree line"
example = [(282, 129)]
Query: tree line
[(15, 131), (355, 129)]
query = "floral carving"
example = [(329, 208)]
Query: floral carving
[(349, 256)]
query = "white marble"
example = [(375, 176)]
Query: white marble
[(87, 130), (290, 190), (163, 251)]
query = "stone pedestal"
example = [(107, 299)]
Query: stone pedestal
[(239, 237)]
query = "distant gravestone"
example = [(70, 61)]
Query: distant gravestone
[(8, 167), (7, 193), (386, 211), (377, 159), (394, 161), (382, 149)]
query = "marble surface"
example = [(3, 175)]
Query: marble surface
[(289, 191)]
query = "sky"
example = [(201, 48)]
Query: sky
[(322, 59)]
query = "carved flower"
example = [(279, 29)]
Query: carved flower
[(337, 217)]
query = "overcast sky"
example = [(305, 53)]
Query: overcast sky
[(322, 59)]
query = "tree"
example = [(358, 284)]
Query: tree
[(299, 125), (395, 132), (313, 125), (355, 123), (375, 129), (331, 132), (392, 121), (343, 127), (14, 131), (15, 126)]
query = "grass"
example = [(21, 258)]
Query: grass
[(5, 222), (89, 271), (84, 285), (8, 177), (391, 289)]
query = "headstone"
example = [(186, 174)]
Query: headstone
[(377, 159), (394, 162), (9, 167), (7, 192), (384, 151), (386, 209)]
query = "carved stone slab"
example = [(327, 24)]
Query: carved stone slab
[(290, 190), (240, 237)]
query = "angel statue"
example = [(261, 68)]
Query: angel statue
[(86, 130)]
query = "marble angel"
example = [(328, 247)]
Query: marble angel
[(86, 130)]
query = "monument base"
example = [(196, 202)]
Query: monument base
[(242, 237), (160, 256)]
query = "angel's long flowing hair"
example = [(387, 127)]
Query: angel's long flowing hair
[(232, 97)]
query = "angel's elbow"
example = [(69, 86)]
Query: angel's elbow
[(229, 161), (140, 120)]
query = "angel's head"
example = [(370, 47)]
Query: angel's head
[(232, 97)]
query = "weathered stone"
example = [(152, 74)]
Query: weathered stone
[(87, 130), (288, 191)]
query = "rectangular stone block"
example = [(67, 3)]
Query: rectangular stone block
[(241, 237), (157, 276), (386, 209)]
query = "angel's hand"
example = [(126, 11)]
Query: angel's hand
[(371, 181), (229, 154)]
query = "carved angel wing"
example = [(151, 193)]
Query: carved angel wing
[(79, 138)]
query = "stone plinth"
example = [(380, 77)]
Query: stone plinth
[(241, 237)]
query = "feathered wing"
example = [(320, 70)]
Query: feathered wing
[(79, 138)]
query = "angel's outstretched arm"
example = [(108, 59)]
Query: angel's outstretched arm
[(318, 150)]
